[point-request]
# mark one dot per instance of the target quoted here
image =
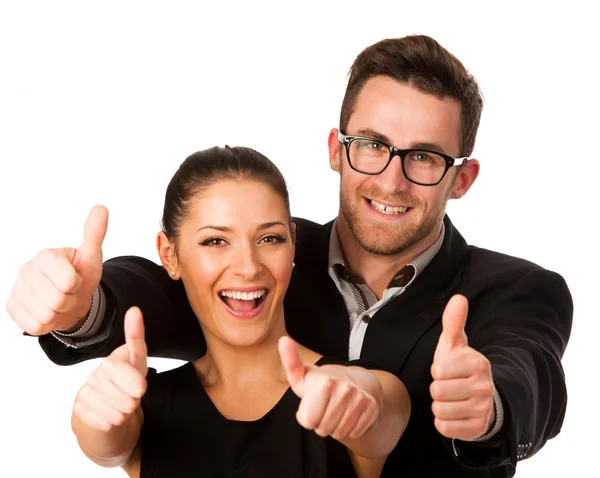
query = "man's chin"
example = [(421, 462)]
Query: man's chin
[(383, 244)]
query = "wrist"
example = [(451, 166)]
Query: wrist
[(72, 325), (81, 326)]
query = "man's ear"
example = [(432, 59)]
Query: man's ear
[(168, 257), (334, 149), (466, 176)]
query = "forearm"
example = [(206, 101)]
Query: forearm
[(524, 345), (109, 448), (172, 329), (383, 435)]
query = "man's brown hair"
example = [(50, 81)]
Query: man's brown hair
[(424, 64)]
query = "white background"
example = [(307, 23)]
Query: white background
[(101, 101)]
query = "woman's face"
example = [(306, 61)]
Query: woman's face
[(234, 255)]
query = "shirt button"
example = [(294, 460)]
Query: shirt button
[(366, 319)]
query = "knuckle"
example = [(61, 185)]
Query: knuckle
[(93, 380), (119, 418), (67, 280), (325, 383), (482, 365), (107, 366), (306, 421), (480, 425), (78, 408), (57, 300), (35, 329), (131, 406), (46, 317), (434, 390), (443, 427), (10, 307), (344, 388), (24, 269), (486, 389), (83, 395), (43, 255), (140, 388)]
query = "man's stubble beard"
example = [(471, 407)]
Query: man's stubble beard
[(395, 240)]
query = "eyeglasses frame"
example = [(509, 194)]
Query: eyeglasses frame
[(347, 140)]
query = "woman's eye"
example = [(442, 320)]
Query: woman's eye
[(273, 239), (213, 241)]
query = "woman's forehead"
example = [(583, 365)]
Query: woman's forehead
[(245, 201)]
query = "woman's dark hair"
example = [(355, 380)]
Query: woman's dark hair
[(204, 168)]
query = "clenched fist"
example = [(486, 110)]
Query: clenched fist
[(114, 390), (54, 290), (332, 402)]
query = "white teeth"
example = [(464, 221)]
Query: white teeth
[(387, 209), (232, 294)]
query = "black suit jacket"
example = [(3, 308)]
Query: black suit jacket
[(520, 318)]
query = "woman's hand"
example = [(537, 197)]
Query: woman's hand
[(114, 390), (337, 401)]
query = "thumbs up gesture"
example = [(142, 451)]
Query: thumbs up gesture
[(462, 388), (54, 290), (334, 399), (114, 390)]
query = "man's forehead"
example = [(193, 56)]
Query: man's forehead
[(405, 115)]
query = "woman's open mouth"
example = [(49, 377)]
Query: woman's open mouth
[(246, 303)]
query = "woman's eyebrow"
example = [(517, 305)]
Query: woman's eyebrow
[(267, 225)]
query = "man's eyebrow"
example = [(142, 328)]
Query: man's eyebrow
[(430, 146), (369, 133)]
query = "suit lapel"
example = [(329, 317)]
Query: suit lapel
[(316, 314)]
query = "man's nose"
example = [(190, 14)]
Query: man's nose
[(393, 179)]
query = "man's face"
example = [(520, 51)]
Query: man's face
[(403, 116)]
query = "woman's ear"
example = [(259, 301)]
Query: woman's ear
[(168, 257), (294, 242)]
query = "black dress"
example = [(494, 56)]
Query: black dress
[(184, 435)]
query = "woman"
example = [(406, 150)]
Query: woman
[(257, 404)]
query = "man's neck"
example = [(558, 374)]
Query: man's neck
[(377, 270)]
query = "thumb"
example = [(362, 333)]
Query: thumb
[(293, 364), (135, 340), (454, 319), (94, 232)]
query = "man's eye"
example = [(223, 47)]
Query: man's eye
[(421, 157), (272, 239), (213, 241), (374, 146)]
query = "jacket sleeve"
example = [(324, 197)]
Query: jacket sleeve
[(172, 329), (523, 332)]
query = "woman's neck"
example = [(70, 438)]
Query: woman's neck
[(235, 367)]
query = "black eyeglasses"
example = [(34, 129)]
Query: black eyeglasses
[(420, 166)]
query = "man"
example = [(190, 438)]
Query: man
[(386, 281)]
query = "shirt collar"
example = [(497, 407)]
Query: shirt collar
[(403, 278)]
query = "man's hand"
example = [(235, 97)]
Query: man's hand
[(54, 290), (332, 403), (462, 388), (114, 390)]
